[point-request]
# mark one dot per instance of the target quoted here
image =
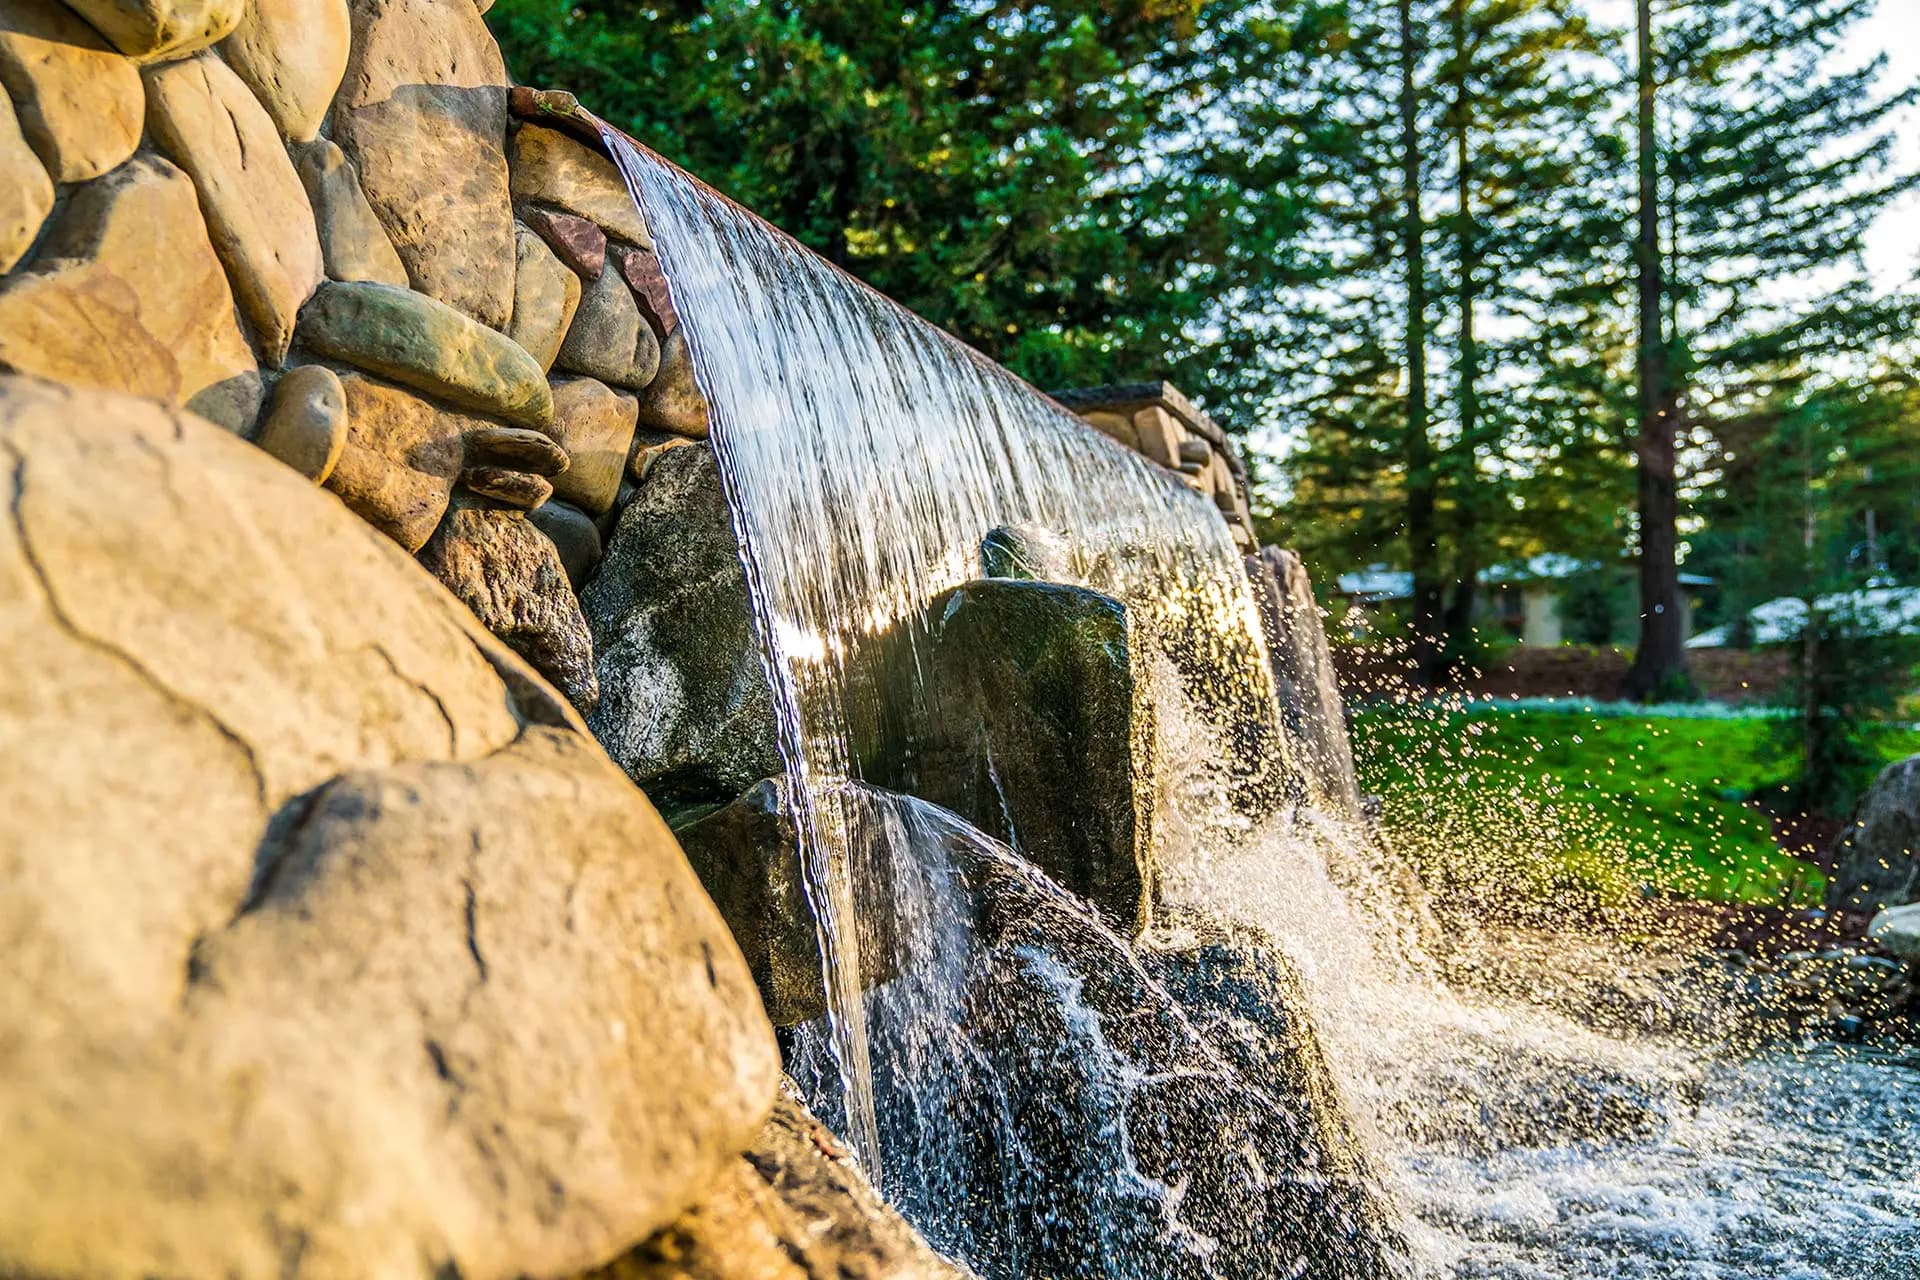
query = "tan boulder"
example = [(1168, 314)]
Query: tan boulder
[(422, 112), (594, 424), (209, 123), (545, 297), (334, 947), (353, 244), (26, 192), (292, 54), (152, 30), (80, 103), (551, 167), (126, 294), (400, 458)]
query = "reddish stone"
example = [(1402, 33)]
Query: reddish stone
[(580, 244), (641, 268)]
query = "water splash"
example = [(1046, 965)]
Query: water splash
[(865, 455)]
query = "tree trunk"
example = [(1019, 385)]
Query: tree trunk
[(1660, 662), (1423, 539), (1468, 500)]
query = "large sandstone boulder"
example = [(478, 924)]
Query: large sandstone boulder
[(422, 113), (1020, 707), (292, 54), (334, 946), (26, 192), (1877, 858), (550, 167), (80, 103), (210, 124), (126, 294), (795, 1207), (684, 703)]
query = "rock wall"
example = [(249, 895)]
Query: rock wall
[(315, 223), (336, 944)]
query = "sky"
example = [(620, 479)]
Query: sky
[(1893, 247)]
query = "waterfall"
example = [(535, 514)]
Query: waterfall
[(865, 454)]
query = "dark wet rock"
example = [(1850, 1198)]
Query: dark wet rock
[(1877, 858), (1310, 703), (1024, 551), (1161, 1110), (1021, 709), (509, 574), (684, 708), (574, 534)]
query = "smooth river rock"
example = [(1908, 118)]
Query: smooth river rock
[(292, 54), (335, 948), (80, 103), (209, 123), (425, 344), (545, 296), (510, 575), (520, 490), (422, 112), (26, 192), (594, 424), (684, 704), (1877, 857), (402, 454), (673, 401), (573, 534), (516, 448), (552, 168), (607, 339), (126, 294), (307, 426), (353, 244), (152, 30)]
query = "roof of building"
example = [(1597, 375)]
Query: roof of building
[(1878, 610)]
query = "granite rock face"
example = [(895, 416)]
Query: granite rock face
[(286, 1005), (126, 294), (684, 703), (427, 345), (510, 575), (292, 54), (209, 123), (422, 113), (80, 103), (1877, 858)]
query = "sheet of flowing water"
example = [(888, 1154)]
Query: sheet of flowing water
[(865, 455)]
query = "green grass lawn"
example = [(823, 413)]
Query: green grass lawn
[(1608, 802)]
